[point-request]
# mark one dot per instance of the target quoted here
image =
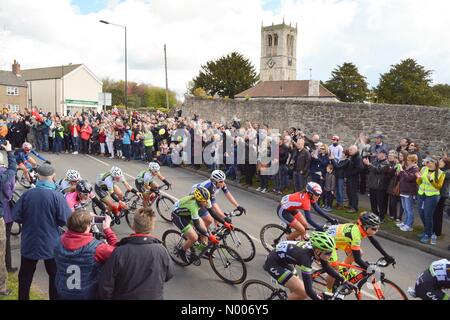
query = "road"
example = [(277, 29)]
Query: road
[(200, 282)]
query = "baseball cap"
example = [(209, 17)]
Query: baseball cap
[(431, 159), (45, 170), (379, 135), (335, 138)]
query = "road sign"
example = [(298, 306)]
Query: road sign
[(105, 99)]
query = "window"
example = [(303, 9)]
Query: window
[(13, 107), (270, 40), (12, 91), (275, 40)]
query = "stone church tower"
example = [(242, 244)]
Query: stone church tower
[(278, 52)]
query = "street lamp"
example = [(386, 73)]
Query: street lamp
[(126, 82)]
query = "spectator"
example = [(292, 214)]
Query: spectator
[(45, 132), (408, 191), (444, 165), (282, 176), (102, 140), (85, 135), (329, 187), (110, 141), (402, 156), (377, 146), (126, 143), (430, 180), (313, 143), (363, 144), (249, 169), (40, 211), (124, 278), (393, 188), (339, 169), (75, 135), (7, 184), (264, 154), (335, 148), (352, 172), (78, 249), (379, 176), (58, 137), (67, 137), (118, 143), (404, 144), (302, 162), (414, 149), (148, 144)]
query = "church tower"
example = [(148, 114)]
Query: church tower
[(278, 52)]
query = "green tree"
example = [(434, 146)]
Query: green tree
[(348, 84), (443, 91), (226, 76), (156, 98), (407, 83)]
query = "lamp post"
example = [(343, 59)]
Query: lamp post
[(126, 82)]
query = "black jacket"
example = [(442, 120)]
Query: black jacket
[(355, 166), (379, 175), (302, 161), (136, 270)]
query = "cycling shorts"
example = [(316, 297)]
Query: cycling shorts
[(101, 193), (279, 271), (139, 186), (426, 288), (288, 216), (184, 223)]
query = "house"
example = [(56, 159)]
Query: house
[(309, 90), (63, 89), (13, 89)]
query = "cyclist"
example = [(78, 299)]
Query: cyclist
[(289, 210), (281, 262), (82, 196), (145, 183), (25, 161), (186, 213), (69, 183), (348, 238), (108, 191), (430, 284), (216, 182)]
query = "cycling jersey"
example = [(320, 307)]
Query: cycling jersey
[(106, 181), (23, 157), (208, 184), (347, 236), (296, 201), (430, 283), (440, 270), (63, 184), (146, 177), (73, 201), (186, 212)]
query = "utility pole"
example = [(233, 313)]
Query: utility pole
[(167, 84)]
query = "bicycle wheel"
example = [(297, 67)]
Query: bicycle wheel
[(173, 241), (259, 290), (241, 243), (133, 201), (271, 234), (16, 229), (380, 290), (21, 177), (164, 207), (227, 264)]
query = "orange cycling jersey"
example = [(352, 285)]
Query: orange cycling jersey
[(296, 201)]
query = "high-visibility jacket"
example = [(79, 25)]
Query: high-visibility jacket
[(426, 188), (148, 139)]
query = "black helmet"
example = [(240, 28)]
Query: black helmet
[(83, 187), (369, 220)]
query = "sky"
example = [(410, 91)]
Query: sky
[(372, 34)]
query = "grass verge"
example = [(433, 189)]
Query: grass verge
[(13, 284)]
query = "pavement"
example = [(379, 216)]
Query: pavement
[(200, 283)]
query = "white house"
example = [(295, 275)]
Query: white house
[(63, 89)]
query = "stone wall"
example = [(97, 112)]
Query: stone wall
[(429, 127)]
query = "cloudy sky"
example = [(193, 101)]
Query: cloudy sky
[(372, 34)]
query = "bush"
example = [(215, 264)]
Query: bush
[(199, 92)]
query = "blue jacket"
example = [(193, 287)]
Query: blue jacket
[(7, 186), (22, 156), (40, 210), (126, 137)]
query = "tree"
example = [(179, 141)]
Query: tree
[(348, 84), (226, 76), (407, 83), (443, 91), (156, 98)]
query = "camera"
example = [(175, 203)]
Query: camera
[(366, 154), (2, 141), (99, 219)]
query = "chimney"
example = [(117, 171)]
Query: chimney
[(16, 68), (313, 88)]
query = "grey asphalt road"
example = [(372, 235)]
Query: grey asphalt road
[(200, 282)]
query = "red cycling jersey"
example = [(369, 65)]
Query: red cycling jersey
[(296, 201)]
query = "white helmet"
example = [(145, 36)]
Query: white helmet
[(116, 172), (218, 175), (73, 175), (27, 146), (153, 166)]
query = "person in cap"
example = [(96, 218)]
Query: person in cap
[(336, 150), (377, 146), (41, 211)]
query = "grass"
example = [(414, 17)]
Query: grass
[(13, 284)]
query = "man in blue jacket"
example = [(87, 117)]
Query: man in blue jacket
[(7, 182), (41, 211)]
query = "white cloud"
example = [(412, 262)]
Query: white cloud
[(372, 34)]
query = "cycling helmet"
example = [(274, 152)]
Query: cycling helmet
[(369, 220), (116, 172), (27, 146), (322, 241), (153, 166), (314, 188), (73, 175), (201, 194), (84, 187), (218, 175)]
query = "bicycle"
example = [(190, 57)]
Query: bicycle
[(240, 240), (376, 282), (22, 179), (16, 227), (271, 234), (223, 259), (164, 204), (260, 290), (124, 213)]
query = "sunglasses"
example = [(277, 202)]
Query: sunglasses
[(375, 229), (327, 253)]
